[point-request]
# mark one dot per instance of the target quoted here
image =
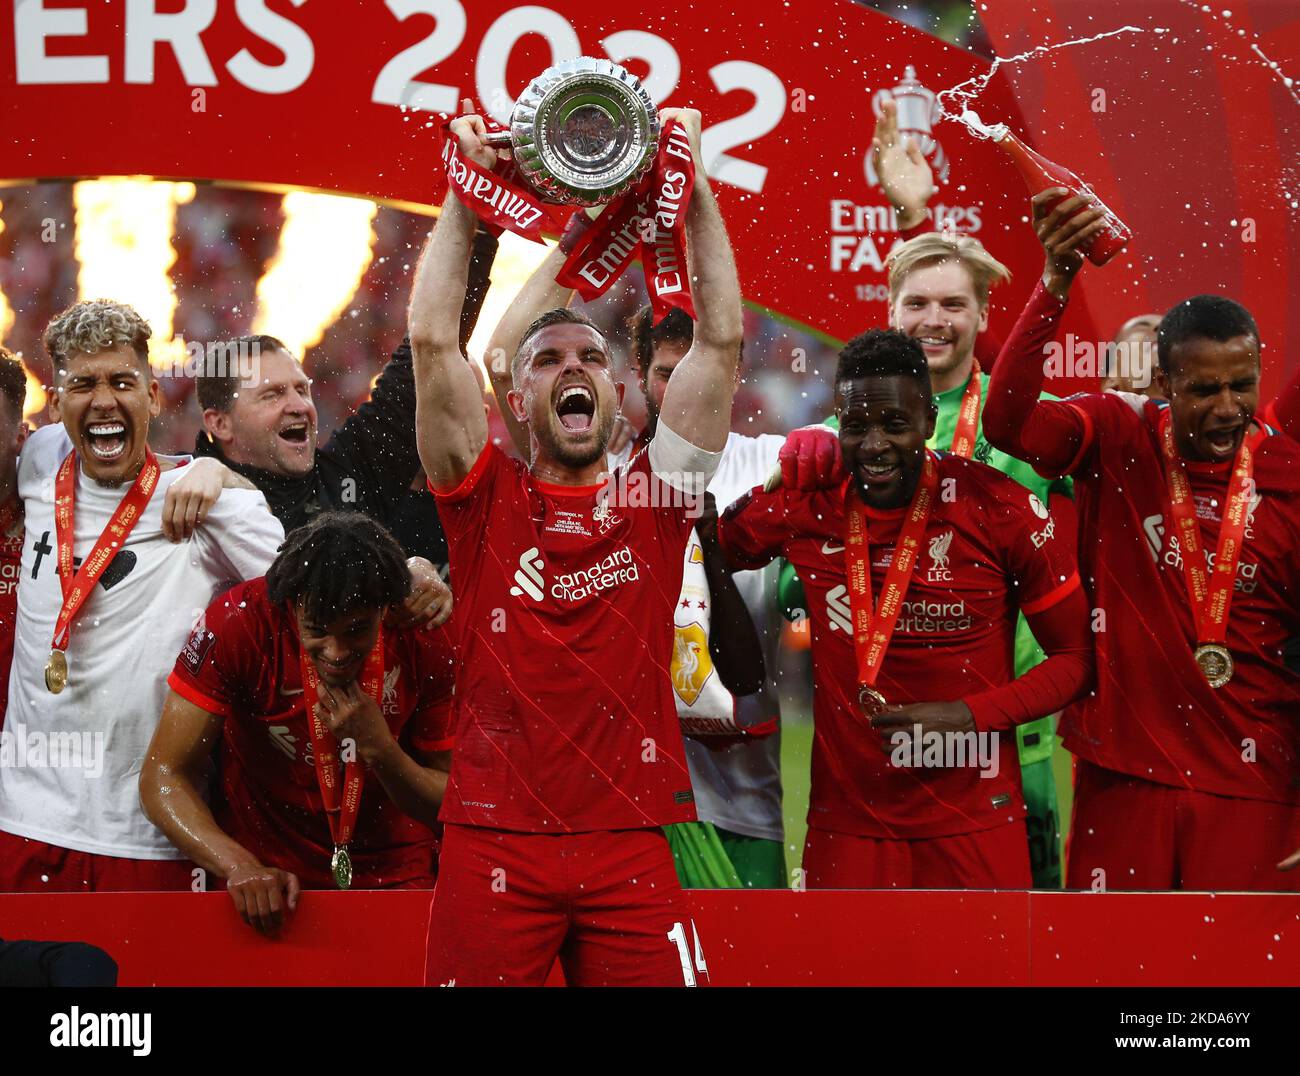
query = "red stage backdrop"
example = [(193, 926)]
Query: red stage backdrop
[(342, 96), (755, 938), (1191, 131)]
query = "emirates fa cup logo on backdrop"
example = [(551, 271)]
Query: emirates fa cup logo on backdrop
[(918, 111)]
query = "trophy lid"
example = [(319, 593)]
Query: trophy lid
[(584, 131)]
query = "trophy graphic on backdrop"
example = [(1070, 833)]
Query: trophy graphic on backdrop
[(583, 133)]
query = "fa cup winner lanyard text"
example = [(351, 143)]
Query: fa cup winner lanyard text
[(341, 804), (1209, 590), (872, 631), (77, 586), (963, 437)]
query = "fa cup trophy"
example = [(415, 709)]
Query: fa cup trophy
[(583, 133)]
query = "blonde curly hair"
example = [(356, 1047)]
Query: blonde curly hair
[(95, 325), (932, 248)]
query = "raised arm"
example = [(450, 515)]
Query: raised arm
[(377, 445), (905, 175), (697, 402), (1043, 433), (539, 294), (451, 428)]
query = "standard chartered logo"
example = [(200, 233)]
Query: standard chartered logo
[(837, 608), (613, 570), (529, 575)]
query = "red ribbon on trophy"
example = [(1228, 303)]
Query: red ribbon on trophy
[(648, 222), (583, 133)]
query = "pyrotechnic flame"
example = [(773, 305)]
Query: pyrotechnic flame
[(124, 249), (325, 248), (35, 403), (6, 311), (516, 260), (35, 390)]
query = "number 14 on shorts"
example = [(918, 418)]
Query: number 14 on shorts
[(678, 937)]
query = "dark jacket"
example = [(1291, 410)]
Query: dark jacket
[(371, 461)]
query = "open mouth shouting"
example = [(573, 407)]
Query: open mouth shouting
[(1222, 443), (295, 433), (106, 440), (575, 407)]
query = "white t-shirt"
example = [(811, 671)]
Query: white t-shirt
[(74, 780), (739, 788)]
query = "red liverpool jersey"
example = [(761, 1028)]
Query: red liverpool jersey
[(565, 719), (243, 663), (990, 549), (1153, 715)]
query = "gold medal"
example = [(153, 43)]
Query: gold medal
[(56, 671), (341, 867), (870, 701), (1215, 663)]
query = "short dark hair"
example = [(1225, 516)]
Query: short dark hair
[(1207, 317), (676, 328), (217, 389), (884, 353), (561, 315), (337, 563), (13, 383)]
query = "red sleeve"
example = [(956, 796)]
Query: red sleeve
[(464, 510), (754, 529), (214, 663), (1066, 514), (431, 725), (1042, 567), (1040, 550), (1286, 408), (1049, 434), (489, 460), (1063, 631)]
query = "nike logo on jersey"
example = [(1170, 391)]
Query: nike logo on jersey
[(290, 691), (831, 550), (529, 576)]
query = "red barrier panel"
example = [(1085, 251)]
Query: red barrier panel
[(774, 938)]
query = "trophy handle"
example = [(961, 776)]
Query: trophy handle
[(498, 138)]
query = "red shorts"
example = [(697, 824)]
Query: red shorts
[(1128, 833), (28, 866), (995, 858), (607, 904)]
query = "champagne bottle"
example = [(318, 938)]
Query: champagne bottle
[(1039, 173)]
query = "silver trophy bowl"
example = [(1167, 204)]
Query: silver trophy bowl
[(583, 132)]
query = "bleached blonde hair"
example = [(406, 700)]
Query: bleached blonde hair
[(95, 325), (932, 248)]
